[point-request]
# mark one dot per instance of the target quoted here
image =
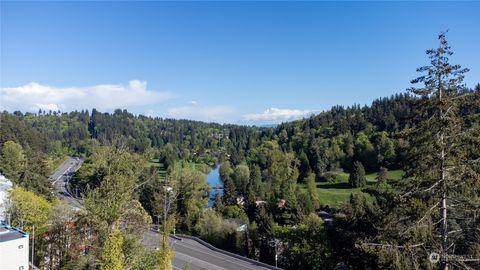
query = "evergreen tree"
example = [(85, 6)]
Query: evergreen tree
[(357, 177), (305, 203), (229, 192), (435, 211), (382, 177), (312, 191), (256, 185), (440, 173), (218, 203)]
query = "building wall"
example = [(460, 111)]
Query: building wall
[(12, 257)]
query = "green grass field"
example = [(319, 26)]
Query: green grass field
[(336, 193), (162, 173)]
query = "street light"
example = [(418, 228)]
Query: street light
[(274, 243), (158, 221)]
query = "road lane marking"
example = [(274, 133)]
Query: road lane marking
[(225, 258), (193, 261), (75, 164)]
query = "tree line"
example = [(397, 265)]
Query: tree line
[(431, 133)]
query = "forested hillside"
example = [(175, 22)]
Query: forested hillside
[(357, 187)]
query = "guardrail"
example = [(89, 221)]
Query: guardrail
[(180, 236)]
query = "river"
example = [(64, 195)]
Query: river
[(216, 184)]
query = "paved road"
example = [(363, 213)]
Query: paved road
[(61, 177), (197, 256), (187, 252)]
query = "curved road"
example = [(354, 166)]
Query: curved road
[(60, 178), (187, 251), (197, 256)]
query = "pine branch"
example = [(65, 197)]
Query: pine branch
[(421, 219), (425, 190), (389, 245)]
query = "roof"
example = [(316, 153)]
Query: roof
[(8, 233)]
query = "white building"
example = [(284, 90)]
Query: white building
[(13, 248), (5, 187)]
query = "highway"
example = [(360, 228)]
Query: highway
[(60, 178), (187, 252)]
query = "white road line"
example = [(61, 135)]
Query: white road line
[(61, 175), (192, 261), (223, 258), (74, 163)]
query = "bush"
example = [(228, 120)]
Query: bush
[(330, 177), (212, 228)]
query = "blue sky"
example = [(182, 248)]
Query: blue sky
[(237, 62)]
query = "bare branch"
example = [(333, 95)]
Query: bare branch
[(389, 245)]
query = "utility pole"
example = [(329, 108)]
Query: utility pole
[(276, 251), (275, 243)]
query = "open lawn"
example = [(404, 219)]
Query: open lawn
[(335, 193), (162, 173)]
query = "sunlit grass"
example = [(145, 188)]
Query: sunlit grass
[(335, 193)]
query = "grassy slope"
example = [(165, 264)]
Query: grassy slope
[(162, 173), (334, 194)]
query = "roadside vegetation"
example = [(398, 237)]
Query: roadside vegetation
[(355, 187)]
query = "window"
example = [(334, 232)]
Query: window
[(20, 247)]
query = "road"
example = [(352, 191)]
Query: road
[(197, 256), (60, 178), (187, 251)]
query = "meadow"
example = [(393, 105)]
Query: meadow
[(335, 193)]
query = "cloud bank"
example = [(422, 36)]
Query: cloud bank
[(104, 97), (276, 115), (193, 111)]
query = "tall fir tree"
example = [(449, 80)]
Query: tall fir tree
[(437, 208), (230, 192), (357, 177), (312, 191)]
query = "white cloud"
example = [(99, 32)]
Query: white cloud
[(193, 111), (150, 113), (276, 115), (47, 107), (104, 97)]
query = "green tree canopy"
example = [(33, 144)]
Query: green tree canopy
[(112, 255), (357, 177), (12, 161), (28, 210)]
